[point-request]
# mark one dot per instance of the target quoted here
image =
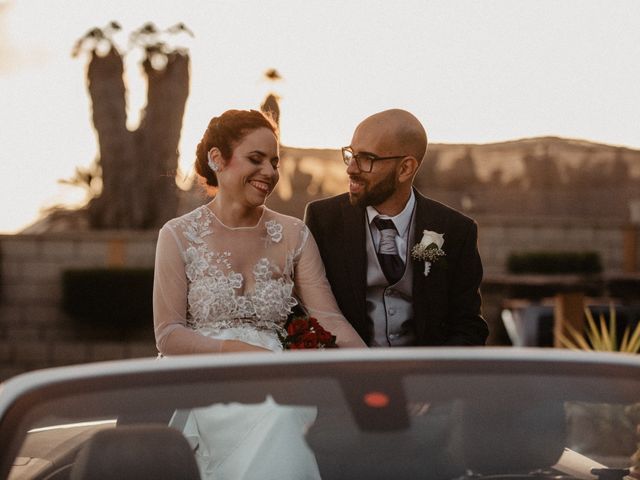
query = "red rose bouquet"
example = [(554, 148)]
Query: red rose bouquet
[(305, 332)]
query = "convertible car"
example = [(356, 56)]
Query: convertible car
[(436, 413)]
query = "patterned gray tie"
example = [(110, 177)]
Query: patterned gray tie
[(390, 261)]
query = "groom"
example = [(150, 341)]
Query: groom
[(404, 269)]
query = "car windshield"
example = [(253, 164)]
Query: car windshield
[(386, 416)]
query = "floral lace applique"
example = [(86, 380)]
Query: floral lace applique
[(274, 230), (272, 296), (195, 227), (213, 299), (199, 260)]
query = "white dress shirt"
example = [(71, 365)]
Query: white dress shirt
[(402, 222)]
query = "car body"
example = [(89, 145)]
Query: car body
[(435, 413)]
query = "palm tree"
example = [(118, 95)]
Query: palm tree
[(137, 167), (270, 105)]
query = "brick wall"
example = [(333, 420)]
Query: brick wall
[(499, 237), (35, 333)]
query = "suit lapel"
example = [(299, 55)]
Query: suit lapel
[(424, 288), (356, 254)]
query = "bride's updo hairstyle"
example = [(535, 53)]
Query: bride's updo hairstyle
[(225, 132)]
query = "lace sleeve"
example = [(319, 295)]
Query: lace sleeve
[(173, 337), (313, 289)]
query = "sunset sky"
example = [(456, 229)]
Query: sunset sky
[(473, 71)]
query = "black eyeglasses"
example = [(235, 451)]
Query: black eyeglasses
[(364, 161)]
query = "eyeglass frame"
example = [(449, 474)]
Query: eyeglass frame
[(372, 157)]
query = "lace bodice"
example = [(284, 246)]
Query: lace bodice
[(220, 282)]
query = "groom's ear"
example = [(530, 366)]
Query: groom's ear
[(408, 168)]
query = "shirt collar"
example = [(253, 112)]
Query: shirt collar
[(401, 221)]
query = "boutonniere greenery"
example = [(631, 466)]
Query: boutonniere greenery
[(429, 250)]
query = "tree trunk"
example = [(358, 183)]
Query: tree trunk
[(157, 141), (270, 107), (138, 168), (107, 90)]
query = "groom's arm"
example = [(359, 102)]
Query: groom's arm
[(465, 325), (313, 221)]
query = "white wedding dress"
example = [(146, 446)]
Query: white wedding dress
[(214, 283)]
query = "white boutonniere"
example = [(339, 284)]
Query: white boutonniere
[(429, 250)]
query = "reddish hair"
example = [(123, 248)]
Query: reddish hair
[(224, 133)]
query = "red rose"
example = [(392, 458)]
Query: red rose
[(306, 333), (310, 340), (324, 337), (296, 327)]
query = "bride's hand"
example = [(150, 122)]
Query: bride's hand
[(229, 346)]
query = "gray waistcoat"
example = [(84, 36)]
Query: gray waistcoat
[(389, 307)]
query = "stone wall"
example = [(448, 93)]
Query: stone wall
[(498, 237), (35, 333)]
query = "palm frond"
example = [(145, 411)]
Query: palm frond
[(634, 341), (624, 343), (592, 332), (601, 335), (577, 340)]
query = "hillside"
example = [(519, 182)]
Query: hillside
[(546, 177)]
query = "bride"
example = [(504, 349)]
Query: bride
[(227, 275)]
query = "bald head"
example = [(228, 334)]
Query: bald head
[(396, 142), (398, 131)]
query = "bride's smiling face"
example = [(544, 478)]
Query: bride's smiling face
[(251, 173)]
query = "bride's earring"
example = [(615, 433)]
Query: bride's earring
[(212, 165)]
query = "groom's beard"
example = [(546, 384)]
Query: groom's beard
[(376, 194)]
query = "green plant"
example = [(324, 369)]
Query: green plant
[(554, 262), (113, 303), (602, 336)]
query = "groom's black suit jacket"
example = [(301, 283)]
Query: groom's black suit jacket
[(446, 303)]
